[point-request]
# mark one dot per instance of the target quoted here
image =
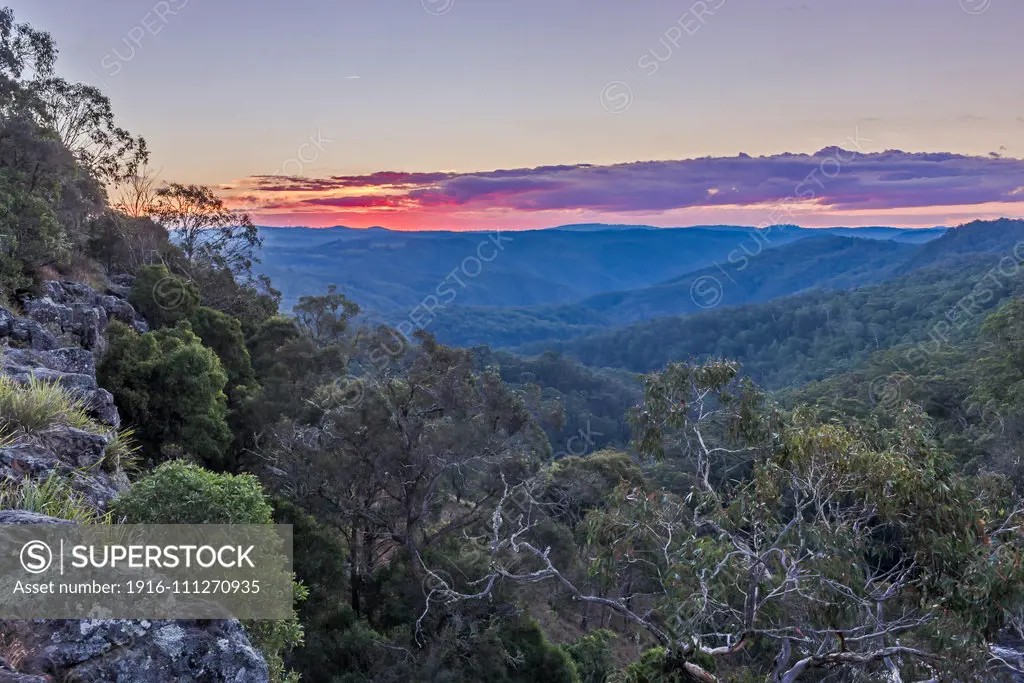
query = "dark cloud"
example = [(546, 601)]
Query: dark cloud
[(835, 177)]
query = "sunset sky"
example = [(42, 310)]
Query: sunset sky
[(475, 114)]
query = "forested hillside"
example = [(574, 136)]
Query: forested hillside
[(754, 274), (800, 338), (388, 273), (470, 514)]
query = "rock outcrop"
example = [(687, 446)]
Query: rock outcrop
[(122, 651), (76, 313), (58, 339)]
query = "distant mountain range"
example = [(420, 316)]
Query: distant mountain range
[(940, 290), (389, 272), (634, 297)]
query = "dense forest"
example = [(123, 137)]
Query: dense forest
[(470, 514)]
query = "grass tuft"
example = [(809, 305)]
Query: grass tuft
[(39, 405), (29, 410), (122, 453), (52, 495)]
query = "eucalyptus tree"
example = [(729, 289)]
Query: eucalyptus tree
[(789, 545)]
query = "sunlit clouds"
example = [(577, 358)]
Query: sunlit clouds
[(830, 187)]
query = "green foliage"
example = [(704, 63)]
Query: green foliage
[(529, 657), (122, 454), (165, 300), (593, 401), (592, 656), (574, 486), (162, 298), (171, 389), (223, 334), (325, 318), (51, 495), (39, 405), (250, 300), (319, 561), (179, 492), (276, 637), (30, 232), (654, 666), (291, 367)]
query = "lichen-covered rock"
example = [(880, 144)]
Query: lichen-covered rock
[(26, 517), (6, 320), (75, 312), (8, 676), (71, 359), (77, 446), (32, 334), (79, 384), (66, 453), (21, 460), (100, 404), (118, 308), (48, 313), (100, 487), (88, 324), (30, 350), (122, 651)]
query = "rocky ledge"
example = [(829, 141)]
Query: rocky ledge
[(58, 339)]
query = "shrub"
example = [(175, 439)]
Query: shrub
[(163, 299), (223, 334), (179, 492), (592, 656), (171, 388)]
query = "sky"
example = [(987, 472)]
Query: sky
[(476, 114)]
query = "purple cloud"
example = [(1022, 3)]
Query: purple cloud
[(832, 177)]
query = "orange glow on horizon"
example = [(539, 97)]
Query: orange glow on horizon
[(413, 219)]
